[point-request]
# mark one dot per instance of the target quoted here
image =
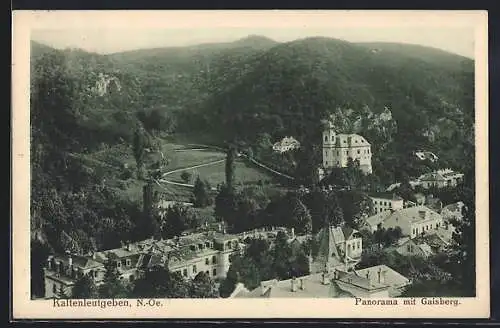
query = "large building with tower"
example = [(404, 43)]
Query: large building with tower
[(338, 148)]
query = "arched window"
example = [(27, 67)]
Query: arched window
[(326, 138)]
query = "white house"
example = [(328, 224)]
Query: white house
[(413, 221), (386, 201)]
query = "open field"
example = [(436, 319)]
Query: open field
[(186, 158), (215, 174)]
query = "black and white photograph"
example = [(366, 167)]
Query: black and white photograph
[(254, 162)]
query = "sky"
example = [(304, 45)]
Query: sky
[(457, 39)]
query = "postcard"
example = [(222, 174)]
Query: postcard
[(250, 164)]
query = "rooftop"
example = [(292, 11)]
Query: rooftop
[(313, 287), (392, 278), (385, 195), (412, 214)]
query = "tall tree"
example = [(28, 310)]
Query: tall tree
[(230, 168), (150, 224), (225, 203), (200, 192), (139, 146)]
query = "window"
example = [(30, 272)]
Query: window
[(95, 274), (206, 261), (409, 248), (359, 244), (214, 260), (128, 262), (326, 138), (214, 272), (359, 152), (119, 264), (207, 273), (326, 163), (338, 153), (194, 269), (338, 163), (185, 272), (54, 288)]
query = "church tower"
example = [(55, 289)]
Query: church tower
[(329, 141)]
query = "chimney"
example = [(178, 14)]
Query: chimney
[(324, 278), (293, 232), (294, 284), (379, 275), (49, 263), (128, 246), (70, 261), (219, 227), (383, 277), (302, 284), (421, 213), (93, 255)]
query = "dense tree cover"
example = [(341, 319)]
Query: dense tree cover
[(158, 282), (177, 219), (263, 261)]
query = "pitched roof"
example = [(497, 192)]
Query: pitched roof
[(412, 214), (313, 288), (384, 195), (392, 277), (350, 140), (79, 261)]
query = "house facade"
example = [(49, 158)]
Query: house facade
[(286, 144), (414, 221), (441, 179), (187, 255), (338, 148), (386, 201)]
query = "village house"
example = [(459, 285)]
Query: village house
[(426, 155), (339, 247), (413, 221), (386, 201), (286, 144), (441, 178), (188, 255), (453, 211), (61, 272), (338, 148), (413, 247)]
